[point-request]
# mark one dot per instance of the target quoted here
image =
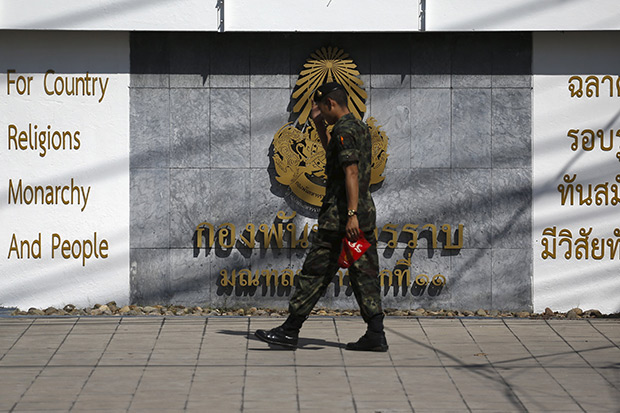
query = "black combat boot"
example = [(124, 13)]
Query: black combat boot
[(285, 335), (374, 339)]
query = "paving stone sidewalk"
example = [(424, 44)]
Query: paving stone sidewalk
[(214, 364)]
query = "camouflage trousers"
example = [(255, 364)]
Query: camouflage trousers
[(321, 265)]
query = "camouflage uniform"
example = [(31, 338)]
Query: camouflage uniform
[(350, 142)]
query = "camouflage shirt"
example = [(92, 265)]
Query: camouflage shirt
[(350, 142)]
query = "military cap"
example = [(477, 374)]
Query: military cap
[(326, 89)]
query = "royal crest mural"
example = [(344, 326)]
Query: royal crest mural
[(298, 155)]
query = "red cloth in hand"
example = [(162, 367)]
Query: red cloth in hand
[(352, 251)]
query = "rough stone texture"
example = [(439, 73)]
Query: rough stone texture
[(190, 203), (190, 145), (510, 289), (471, 281), (430, 128), (392, 108), (267, 115), (397, 196), (511, 128), (149, 208), (471, 128), (149, 128), (472, 205), (512, 218), (456, 109), (230, 128), (265, 205), (229, 196), (190, 282), (150, 275), (430, 198)]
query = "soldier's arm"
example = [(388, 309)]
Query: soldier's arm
[(351, 184), (319, 123)]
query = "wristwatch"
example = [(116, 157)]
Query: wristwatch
[(351, 212)]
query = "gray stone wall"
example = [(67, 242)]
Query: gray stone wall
[(456, 108)]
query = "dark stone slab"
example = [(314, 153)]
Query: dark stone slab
[(512, 282), (149, 208), (149, 128), (149, 62), (512, 128), (149, 280), (471, 128)]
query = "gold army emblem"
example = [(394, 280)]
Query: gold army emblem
[(298, 155)]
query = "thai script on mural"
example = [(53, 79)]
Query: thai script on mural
[(585, 139), (400, 276), (246, 278), (593, 86), (225, 235), (286, 278), (581, 246), (582, 243), (588, 194), (415, 232)]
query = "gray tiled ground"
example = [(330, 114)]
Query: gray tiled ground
[(216, 364)]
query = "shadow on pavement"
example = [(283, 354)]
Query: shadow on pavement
[(304, 343)]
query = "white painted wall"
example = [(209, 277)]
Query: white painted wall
[(101, 163), (321, 15), (566, 283), (311, 15), (522, 15), (155, 15)]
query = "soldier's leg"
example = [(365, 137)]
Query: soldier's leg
[(318, 270), (364, 279)]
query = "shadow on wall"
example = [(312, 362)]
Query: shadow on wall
[(494, 208), (523, 10), (93, 12), (240, 54)]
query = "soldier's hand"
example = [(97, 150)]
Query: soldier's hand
[(352, 229), (315, 113)]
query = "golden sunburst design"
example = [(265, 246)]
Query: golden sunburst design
[(329, 64), (298, 156)]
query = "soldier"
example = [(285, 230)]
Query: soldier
[(347, 210)]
